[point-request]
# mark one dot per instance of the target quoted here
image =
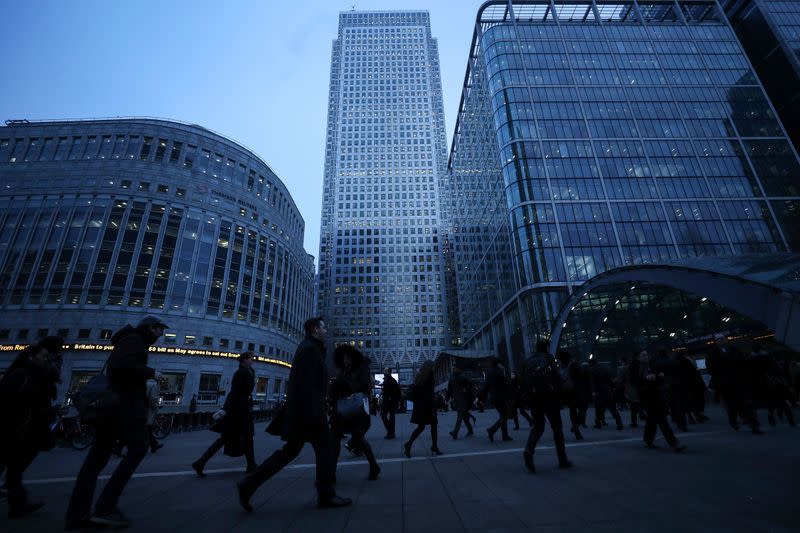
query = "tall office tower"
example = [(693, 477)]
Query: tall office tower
[(381, 281), (594, 135), (769, 31)]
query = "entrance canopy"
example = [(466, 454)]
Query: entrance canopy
[(638, 306)]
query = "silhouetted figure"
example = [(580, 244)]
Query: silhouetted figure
[(649, 382), (630, 393), (603, 385), (573, 392), (495, 388), (128, 373), (458, 389), (542, 382), (234, 421), (424, 413), (517, 402), (305, 421), (729, 371), (390, 398), (354, 377)]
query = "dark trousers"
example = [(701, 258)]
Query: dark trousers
[(677, 407), (600, 406), (635, 407), (737, 403), (502, 422), (577, 415), (515, 412), (218, 444), (323, 449), (657, 418), (82, 494), (359, 441), (17, 457), (553, 415), (462, 416), (387, 415)]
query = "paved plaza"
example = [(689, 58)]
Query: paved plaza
[(726, 481)]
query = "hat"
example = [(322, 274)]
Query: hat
[(52, 344), (150, 320)]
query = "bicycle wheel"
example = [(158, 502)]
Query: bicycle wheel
[(83, 437), (162, 426)]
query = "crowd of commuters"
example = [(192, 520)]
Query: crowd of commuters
[(662, 390)]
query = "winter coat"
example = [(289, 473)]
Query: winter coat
[(458, 389), (496, 387), (391, 394), (238, 420), (25, 407), (128, 373), (306, 417), (424, 403)]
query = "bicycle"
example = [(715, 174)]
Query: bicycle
[(162, 426), (72, 430)]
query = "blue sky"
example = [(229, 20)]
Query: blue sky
[(255, 71)]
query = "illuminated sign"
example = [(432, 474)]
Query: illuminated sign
[(173, 350)]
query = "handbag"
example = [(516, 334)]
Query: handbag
[(276, 426), (96, 402), (351, 407)]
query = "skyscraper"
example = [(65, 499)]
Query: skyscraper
[(769, 31), (381, 282), (593, 135)]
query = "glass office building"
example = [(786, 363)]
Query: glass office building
[(769, 31), (105, 221), (594, 135), (381, 280)]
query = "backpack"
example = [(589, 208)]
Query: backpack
[(539, 373), (96, 402)]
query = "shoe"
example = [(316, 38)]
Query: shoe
[(565, 465), (113, 519), (454, 435), (24, 509), (735, 427), (528, 458), (436, 451), (679, 448), (374, 473), (334, 501), (490, 434), (578, 434), (507, 438), (244, 497), (407, 449), (198, 467), (154, 449)]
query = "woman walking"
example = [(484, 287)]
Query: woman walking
[(424, 413), (354, 377)]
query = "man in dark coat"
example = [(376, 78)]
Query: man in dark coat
[(389, 400), (496, 388), (458, 390), (728, 369), (604, 395), (516, 402), (649, 381), (235, 419), (306, 420), (128, 373), (542, 382)]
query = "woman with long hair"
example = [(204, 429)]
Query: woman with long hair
[(424, 413), (353, 377)]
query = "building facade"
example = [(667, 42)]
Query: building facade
[(381, 283), (593, 135), (769, 31), (103, 222)]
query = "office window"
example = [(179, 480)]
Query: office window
[(163, 188), (42, 333), (106, 334), (224, 343), (208, 341), (84, 333)]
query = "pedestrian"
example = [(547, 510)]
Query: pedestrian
[(694, 390), (673, 386), (424, 412), (542, 382), (495, 388), (516, 402), (729, 370), (458, 391), (234, 421), (193, 404), (153, 397), (573, 392), (603, 385), (390, 398), (629, 392), (354, 378), (128, 373), (305, 421), (775, 395), (649, 383), (26, 411)]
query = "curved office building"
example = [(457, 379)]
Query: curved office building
[(103, 222)]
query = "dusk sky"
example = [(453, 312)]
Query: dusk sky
[(254, 71)]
